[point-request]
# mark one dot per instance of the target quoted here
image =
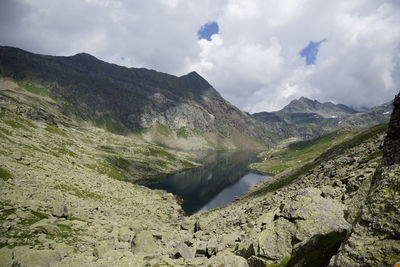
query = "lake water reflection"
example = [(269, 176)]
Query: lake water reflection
[(223, 176)]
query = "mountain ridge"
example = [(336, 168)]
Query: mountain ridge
[(306, 118), (158, 105)]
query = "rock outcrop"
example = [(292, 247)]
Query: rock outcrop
[(375, 239)]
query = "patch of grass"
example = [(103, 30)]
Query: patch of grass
[(187, 164), (54, 130), (15, 124), (4, 174), (65, 151), (43, 91), (224, 131), (5, 213), (160, 153), (5, 131), (282, 263), (78, 192), (183, 132), (299, 153), (275, 169), (163, 129), (106, 169), (40, 215), (330, 153), (109, 123)]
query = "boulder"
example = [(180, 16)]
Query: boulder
[(24, 215), (307, 215), (144, 242), (227, 258), (60, 210), (182, 250), (275, 242), (46, 227), (125, 234), (26, 257), (102, 248), (5, 257), (314, 215)]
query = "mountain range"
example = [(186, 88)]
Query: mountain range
[(306, 118), (183, 112)]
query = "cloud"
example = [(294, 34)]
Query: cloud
[(254, 59)]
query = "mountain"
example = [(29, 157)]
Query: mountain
[(306, 118), (182, 112)]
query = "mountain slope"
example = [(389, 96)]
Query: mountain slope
[(306, 118), (183, 112)]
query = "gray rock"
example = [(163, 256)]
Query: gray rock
[(60, 210), (125, 234), (102, 248), (45, 227), (182, 250), (63, 249), (144, 242), (24, 215), (5, 257), (25, 257), (226, 258)]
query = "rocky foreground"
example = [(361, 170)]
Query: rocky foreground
[(65, 201)]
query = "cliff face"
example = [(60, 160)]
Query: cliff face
[(375, 239)]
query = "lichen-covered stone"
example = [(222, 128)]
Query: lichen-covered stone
[(226, 258), (25, 257), (6, 256), (144, 242)]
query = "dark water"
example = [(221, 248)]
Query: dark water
[(223, 177)]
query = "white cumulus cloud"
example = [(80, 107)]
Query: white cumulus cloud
[(253, 61)]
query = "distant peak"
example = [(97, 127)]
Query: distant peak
[(84, 56), (305, 99), (193, 74)]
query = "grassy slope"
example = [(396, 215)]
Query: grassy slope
[(69, 162), (297, 154), (116, 156), (332, 149)]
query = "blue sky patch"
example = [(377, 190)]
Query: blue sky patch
[(207, 30), (310, 52)]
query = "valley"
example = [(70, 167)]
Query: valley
[(80, 137)]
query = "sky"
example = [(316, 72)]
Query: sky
[(259, 54)]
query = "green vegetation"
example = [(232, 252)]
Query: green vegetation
[(187, 164), (298, 153), (78, 192), (333, 151), (282, 263), (159, 153), (15, 124), (109, 123), (107, 169), (163, 129), (54, 130), (34, 89), (4, 174), (223, 131), (183, 132)]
